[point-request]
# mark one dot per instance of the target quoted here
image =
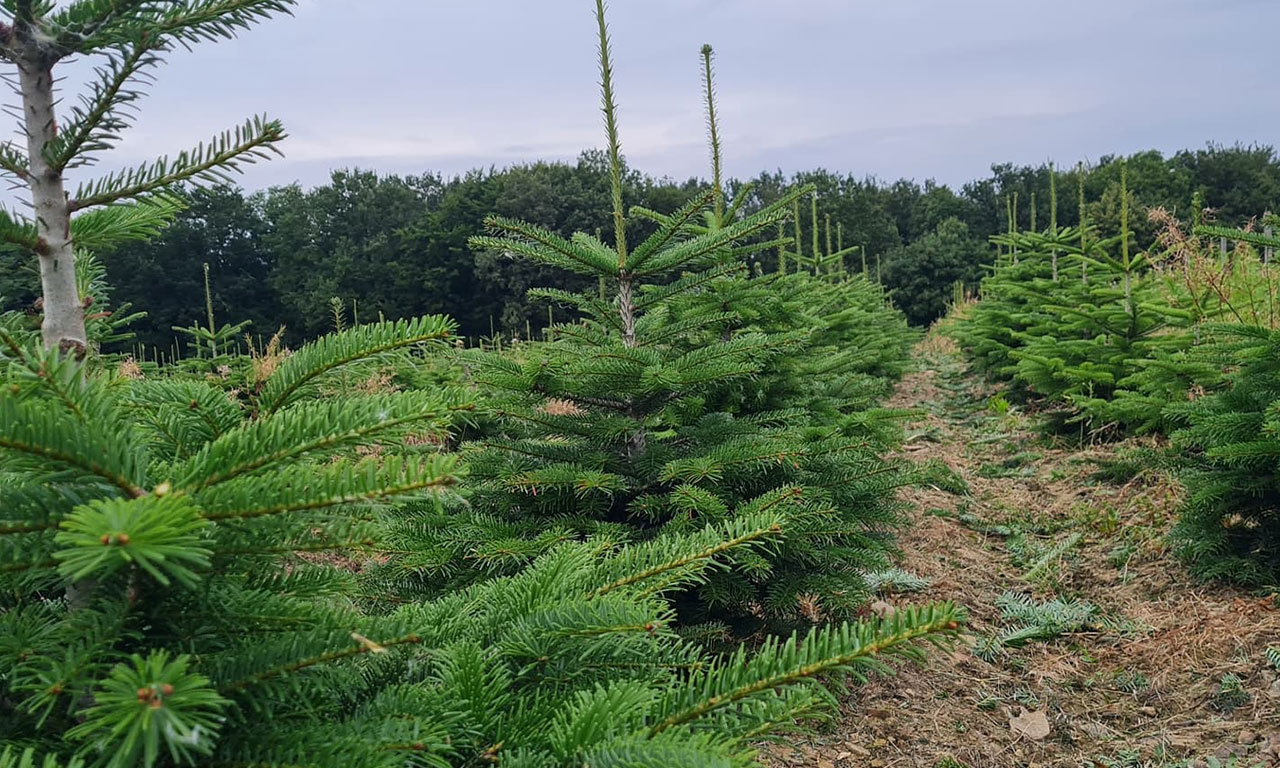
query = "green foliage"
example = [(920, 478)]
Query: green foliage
[(689, 392), (1028, 620), (191, 578), (1177, 338), (1229, 526), (922, 273), (240, 561), (1088, 326), (124, 205), (411, 232)]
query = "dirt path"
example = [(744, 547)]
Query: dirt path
[(1144, 668)]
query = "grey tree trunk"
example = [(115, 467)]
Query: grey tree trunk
[(627, 311), (63, 325)]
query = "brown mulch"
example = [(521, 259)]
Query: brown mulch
[(1149, 695)]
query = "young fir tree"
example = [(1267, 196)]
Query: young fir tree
[(1091, 334), (192, 579), (617, 429), (1229, 526), (1106, 348), (844, 343), (130, 37), (1025, 276), (1198, 284), (841, 347)]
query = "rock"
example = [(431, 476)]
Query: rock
[(882, 609), (1030, 723), (1247, 737), (1228, 751), (1274, 690), (1097, 731), (1147, 711)]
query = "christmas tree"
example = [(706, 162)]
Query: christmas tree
[(645, 419), (131, 38)]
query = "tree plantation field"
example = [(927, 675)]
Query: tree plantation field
[(564, 465)]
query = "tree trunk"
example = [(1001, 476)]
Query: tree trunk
[(627, 314), (63, 325), (627, 311)]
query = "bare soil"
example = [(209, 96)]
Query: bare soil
[(1178, 678)]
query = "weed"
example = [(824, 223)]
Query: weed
[(895, 580), (1103, 520), (975, 523), (1040, 561), (1017, 465), (1231, 694), (1121, 554), (1131, 681), (1128, 758)]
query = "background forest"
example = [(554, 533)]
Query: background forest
[(398, 245)]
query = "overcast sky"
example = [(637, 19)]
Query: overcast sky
[(893, 88)]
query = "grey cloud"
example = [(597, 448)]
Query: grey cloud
[(913, 88)]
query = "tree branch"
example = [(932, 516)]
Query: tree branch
[(86, 26), (224, 154), (14, 161), (208, 19), (92, 127)]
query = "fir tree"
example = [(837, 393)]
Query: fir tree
[(625, 425), (239, 592), (131, 37), (1107, 350), (1229, 525)]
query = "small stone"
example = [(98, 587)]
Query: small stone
[(883, 609), (1147, 711), (1228, 751), (1274, 690), (1097, 731), (1032, 724), (1247, 737)]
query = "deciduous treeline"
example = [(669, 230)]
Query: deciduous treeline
[(280, 255)]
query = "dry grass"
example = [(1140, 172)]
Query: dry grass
[(1151, 695)]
